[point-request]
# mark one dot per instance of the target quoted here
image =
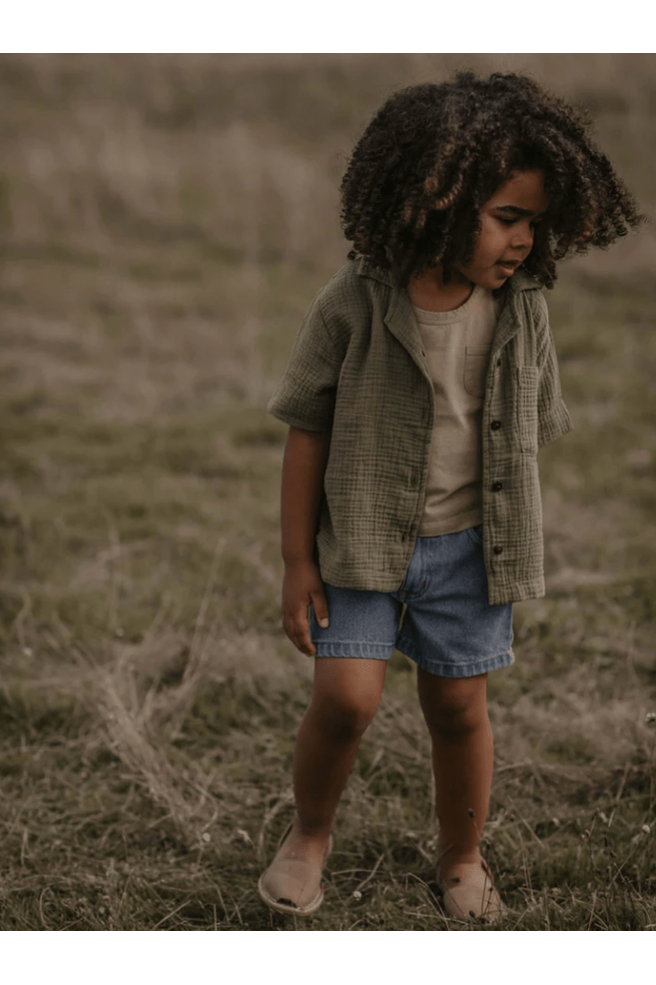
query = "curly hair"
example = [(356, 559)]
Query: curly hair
[(435, 153)]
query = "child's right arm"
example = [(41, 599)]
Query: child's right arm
[(304, 465)]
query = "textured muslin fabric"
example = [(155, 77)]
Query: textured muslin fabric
[(358, 369)]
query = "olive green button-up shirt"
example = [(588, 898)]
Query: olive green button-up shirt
[(358, 369)]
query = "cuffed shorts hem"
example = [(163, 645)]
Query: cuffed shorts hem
[(472, 669), (371, 651)]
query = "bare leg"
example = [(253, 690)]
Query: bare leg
[(455, 710), (345, 698)]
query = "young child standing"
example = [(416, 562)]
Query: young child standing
[(421, 384)]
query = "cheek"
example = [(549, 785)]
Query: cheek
[(490, 245)]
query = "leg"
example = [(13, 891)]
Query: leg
[(345, 698), (455, 710)]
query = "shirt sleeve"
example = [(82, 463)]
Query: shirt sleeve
[(553, 416), (305, 397)]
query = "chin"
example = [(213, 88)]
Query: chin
[(493, 281)]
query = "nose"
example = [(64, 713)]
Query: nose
[(523, 238)]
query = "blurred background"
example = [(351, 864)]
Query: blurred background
[(166, 220)]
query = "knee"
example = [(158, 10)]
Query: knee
[(344, 718), (456, 718)]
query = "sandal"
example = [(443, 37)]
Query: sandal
[(472, 894), (290, 885)]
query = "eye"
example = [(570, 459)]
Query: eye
[(511, 222)]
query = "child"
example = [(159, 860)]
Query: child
[(420, 386)]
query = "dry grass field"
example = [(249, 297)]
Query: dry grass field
[(165, 222)]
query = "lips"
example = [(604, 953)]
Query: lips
[(508, 266)]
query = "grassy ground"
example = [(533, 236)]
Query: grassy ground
[(165, 222)]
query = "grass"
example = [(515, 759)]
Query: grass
[(157, 255)]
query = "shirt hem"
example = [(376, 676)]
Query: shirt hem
[(497, 594)]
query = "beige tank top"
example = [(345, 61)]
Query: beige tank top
[(457, 345)]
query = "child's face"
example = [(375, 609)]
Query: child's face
[(508, 222)]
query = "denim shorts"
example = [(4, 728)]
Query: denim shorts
[(448, 626)]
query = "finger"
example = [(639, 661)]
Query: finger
[(297, 630), (305, 643), (320, 608)]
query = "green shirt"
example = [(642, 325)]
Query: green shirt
[(358, 369)]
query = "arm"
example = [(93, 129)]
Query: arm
[(304, 465)]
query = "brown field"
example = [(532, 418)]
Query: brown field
[(165, 222)]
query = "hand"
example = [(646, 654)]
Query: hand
[(301, 587)]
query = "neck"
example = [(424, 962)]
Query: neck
[(429, 291)]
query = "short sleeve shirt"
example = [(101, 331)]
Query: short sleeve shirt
[(358, 369)]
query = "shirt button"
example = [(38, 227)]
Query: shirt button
[(402, 538), (497, 486), (498, 549), (498, 362), (495, 425)]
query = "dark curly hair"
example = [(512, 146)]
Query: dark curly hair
[(434, 154)]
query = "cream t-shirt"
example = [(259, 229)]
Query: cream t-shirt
[(457, 345)]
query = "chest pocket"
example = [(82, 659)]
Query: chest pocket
[(477, 358)]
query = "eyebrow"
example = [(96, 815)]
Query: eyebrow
[(515, 210)]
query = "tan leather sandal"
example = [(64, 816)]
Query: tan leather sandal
[(290, 885), (472, 894)]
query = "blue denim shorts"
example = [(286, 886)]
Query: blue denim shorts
[(448, 627)]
